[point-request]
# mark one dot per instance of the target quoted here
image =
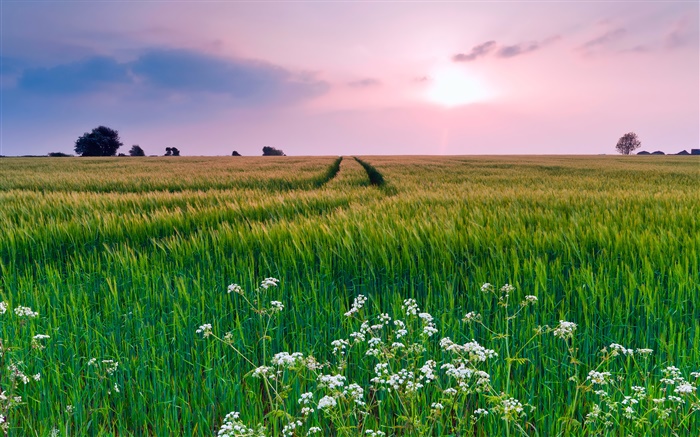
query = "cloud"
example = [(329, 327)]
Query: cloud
[(679, 35), (602, 40), (161, 73), (503, 51), (518, 49), (523, 48), (476, 52), (187, 71), (82, 76), (367, 82)]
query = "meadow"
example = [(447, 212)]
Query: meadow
[(125, 259)]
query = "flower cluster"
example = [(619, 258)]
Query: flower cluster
[(357, 305), (390, 366), (233, 427), (565, 330)]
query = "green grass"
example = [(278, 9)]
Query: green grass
[(124, 258)]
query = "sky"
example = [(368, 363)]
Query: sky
[(351, 77)]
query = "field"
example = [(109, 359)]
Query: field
[(124, 259)]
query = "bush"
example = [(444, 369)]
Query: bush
[(271, 151)]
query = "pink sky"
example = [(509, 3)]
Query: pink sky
[(330, 78)]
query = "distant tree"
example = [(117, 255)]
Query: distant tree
[(235, 153), (58, 155), (121, 155), (627, 143), (136, 150), (172, 151), (102, 141), (271, 151)]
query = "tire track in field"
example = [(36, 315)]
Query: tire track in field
[(375, 177), (329, 174)]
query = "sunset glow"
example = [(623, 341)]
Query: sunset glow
[(343, 78), (453, 86)]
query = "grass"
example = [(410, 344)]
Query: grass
[(125, 258)]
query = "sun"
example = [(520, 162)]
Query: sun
[(453, 86)]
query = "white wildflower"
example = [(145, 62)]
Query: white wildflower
[(601, 378), (411, 307), (356, 392), (331, 381), (205, 330), (25, 312), (628, 412), (565, 329), (357, 305), (269, 282), (684, 388), (618, 349), (285, 359), (327, 402), (288, 429), (276, 306), (511, 408), (234, 288), (110, 366), (305, 398), (472, 316), (339, 346), (262, 372)]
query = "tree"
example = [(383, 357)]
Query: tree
[(102, 141), (271, 151), (172, 151), (136, 150), (627, 143), (235, 153)]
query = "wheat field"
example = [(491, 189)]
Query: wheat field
[(124, 258)]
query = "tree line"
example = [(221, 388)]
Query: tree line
[(104, 141)]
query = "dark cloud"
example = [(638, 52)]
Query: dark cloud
[(503, 51), (365, 83), (82, 76), (516, 50), (523, 48), (476, 52), (187, 71), (603, 40), (182, 72)]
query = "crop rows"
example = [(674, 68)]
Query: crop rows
[(125, 258)]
